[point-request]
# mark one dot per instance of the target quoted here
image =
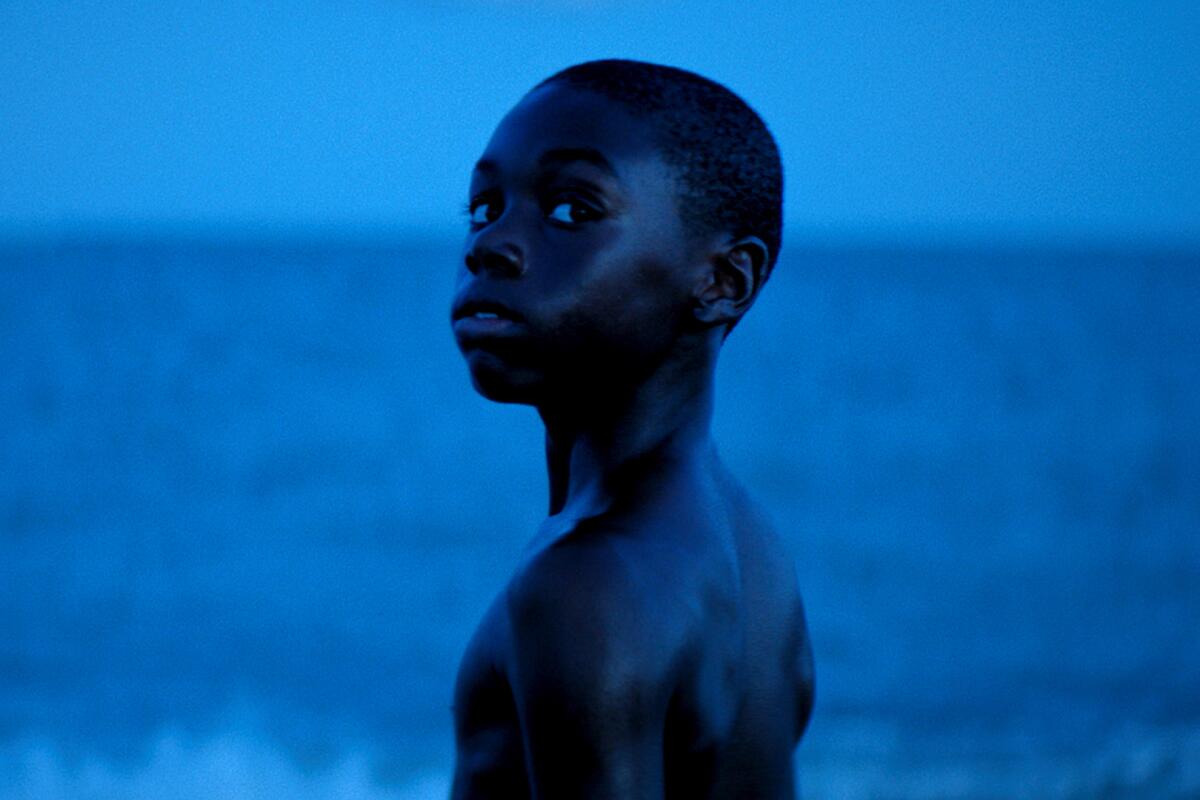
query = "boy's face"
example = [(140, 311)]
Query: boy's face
[(575, 236)]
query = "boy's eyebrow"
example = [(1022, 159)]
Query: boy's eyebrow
[(559, 156), (563, 155)]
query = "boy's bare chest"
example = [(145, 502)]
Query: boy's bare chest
[(490, 754), (481, 692)]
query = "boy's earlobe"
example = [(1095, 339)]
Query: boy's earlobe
[(737, 272)]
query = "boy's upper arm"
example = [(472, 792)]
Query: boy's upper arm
[(590, 672)]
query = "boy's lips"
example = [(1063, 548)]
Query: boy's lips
[(472, 308), (479, 319)]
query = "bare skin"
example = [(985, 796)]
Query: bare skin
[(651, 642)]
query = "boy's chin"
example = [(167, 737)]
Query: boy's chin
[(502, 383)]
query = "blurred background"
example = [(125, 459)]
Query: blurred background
[(251, 509)]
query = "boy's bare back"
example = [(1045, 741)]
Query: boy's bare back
[(651, 642), (646, 652)]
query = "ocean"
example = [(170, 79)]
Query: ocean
[(251, 510)]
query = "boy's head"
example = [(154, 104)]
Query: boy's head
[(622, 215), (726, 160)]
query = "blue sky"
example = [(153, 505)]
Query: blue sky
[(1028, 120)]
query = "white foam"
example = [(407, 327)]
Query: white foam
[(859, 760), (227, 767)]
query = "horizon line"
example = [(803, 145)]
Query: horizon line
[(796, 237)]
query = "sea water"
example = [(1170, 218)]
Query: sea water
[(251, 510)]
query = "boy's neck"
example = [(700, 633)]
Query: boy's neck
[(598, 451)]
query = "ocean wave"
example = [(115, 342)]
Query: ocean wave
[(870, 761), (231, 766), (1140, 763)]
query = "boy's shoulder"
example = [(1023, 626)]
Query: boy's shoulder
[(600, 569), (602, 592)]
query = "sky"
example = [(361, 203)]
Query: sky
[(1056, 121)]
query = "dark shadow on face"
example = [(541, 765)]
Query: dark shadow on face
[(577, 270)]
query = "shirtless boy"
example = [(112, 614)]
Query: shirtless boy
[(651, 642)]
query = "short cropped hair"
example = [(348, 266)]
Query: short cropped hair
[(727, 160)]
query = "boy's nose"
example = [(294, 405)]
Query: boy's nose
[(503, 260)]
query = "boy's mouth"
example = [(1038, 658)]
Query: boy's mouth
[(477, 321), (484, 310)]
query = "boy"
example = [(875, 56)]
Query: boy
[(651, 642)]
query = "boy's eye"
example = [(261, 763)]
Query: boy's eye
[(482, 212), (571, 212)]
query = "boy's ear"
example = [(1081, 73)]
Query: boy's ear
[(736, 272)]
